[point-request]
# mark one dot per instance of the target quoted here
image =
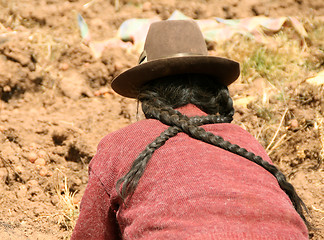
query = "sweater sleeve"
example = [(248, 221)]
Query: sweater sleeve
[(97, 220)]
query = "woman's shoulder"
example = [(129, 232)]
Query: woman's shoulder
[(237, 135), (122, 146), (229, 129), (147, 128)]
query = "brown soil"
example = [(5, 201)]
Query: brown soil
[(56, 104)]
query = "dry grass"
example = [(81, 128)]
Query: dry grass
[(69, 210), (285, 57), (319, 125)]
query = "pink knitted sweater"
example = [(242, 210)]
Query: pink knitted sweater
[(189, 190)]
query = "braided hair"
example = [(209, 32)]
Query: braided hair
[(159, 100)]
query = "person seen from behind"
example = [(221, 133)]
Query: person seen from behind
[(185, 172)]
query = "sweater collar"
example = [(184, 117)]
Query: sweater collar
[(191, 110)]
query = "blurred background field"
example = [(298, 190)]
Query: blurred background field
[(56, 103)]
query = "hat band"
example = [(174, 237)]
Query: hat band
[(143, 56)]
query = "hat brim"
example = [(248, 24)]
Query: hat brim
[(129, 82)]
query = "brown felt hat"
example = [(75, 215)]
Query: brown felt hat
[(174, 47)]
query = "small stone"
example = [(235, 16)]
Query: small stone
[(43, 171), (32, 183), (294, 123), (42, 154), (64, 66), (40, 162), (6, 88), (19, 169), (32, 156)]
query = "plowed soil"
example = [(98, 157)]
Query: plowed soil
[(56, 105)]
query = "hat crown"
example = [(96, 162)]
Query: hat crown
[(174, 47), (172, 38)]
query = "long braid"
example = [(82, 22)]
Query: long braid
[(130, 180), (208, 137), (159, 102)]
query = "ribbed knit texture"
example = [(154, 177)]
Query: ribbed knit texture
[(189, 190)]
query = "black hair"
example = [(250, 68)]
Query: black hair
[(161, 97)]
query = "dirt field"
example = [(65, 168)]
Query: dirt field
[(56, 105)]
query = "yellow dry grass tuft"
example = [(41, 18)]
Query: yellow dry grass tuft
[(69, 210)]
